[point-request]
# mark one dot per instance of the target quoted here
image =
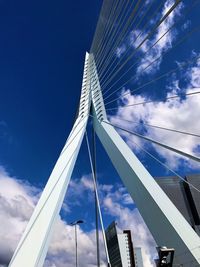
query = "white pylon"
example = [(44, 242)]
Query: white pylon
[(167, 225)]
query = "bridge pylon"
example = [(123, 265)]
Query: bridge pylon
[(167, 225)]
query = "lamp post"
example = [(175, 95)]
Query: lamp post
[(76, 240)]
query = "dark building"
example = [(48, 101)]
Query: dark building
[(113, 245), (120, 247), (184, 197)]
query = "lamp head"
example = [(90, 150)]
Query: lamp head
[(77, 222)]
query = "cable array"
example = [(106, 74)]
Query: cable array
[(115, 27), (136, 53), (126, 34), (158, 143)]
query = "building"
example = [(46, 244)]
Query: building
[(138, 257), (184, 196), (120, 248), (113, 245)]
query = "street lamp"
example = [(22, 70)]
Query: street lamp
[(166, 256), (76, 243)]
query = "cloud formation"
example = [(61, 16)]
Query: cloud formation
[(17, 201), (180, 113)]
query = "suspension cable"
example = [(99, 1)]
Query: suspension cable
[(165, 165), (122, 34), (113, 69), (154, 101), (149, 49), (98, 203), (182, 153), (160, 127), (116, 28), (107, 17), (107, 33), (184, 64), (148, 35), (99, 28), (127, 29)]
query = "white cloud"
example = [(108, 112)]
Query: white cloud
[(79, 187), (120, 50), (180, 114), (62, 248), (194, 74), (17, 201)]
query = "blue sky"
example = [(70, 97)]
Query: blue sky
[(42, 52)]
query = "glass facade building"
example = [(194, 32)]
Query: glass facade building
[(120, 247), (184, 196)]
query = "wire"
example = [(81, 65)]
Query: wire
[(166, 166), (159, 127), (99, 30), (154, 101), (182, 153), (153, 80), (112, 37), (149, 49), (114, 11), (148, 35), (96, 206), (97, 198), (152, 62), (104, 16), (114, 69), (119, 41), (120, 37)]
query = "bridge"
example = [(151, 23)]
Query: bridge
[(108, 68)]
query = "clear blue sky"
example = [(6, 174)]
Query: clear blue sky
[(42, 52)]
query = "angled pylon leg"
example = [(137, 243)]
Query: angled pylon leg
[(167, 225), (32, 248)]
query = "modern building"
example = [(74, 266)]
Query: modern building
[(113, 245), (120, 248), (138, 257), (184, 196)]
